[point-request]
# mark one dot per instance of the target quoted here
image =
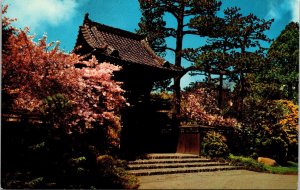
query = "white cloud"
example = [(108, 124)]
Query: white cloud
[(187, 79), (36, 14), (295, 9), (277, 8)]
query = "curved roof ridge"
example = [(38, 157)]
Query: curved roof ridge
[(90, 38), (113, 30), (152, 53)]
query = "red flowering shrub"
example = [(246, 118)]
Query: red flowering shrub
[(33, 71)]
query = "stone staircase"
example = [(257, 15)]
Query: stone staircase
[(159, 164)]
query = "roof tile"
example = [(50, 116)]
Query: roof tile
[(127, 46)]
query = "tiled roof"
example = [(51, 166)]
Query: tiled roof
[(120, 44)]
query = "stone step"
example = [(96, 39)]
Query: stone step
[(169, 155), (162, 171), (170, 160), (173, 165), (159, 164)]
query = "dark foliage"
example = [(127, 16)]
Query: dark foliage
[(40, 156)]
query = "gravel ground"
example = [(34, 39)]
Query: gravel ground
[(232, 179)]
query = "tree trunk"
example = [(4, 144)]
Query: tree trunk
[(208, 78), (242, 95), (178, 54), (290, 91), (220, 98), (242, 82), (177, 96)]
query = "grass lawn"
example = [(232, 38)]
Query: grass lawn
[(291, 168), (251, 164)]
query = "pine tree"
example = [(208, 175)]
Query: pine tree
[(216, 54), (188, 14)]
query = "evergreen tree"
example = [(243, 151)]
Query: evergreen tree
[(284, 62), (188, 14), (217, 55), (250, 55), (234, 50)]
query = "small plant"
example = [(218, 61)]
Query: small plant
[(214, 145)]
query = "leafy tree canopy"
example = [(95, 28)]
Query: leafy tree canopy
[(282, 70)]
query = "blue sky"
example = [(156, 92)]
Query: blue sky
[(60, 19)]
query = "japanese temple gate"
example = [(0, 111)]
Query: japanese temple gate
[(144, 129)]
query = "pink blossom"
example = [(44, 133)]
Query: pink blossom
[(200, 107), (33, 71)]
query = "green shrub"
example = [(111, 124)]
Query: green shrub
[(214, 145), (276, 148), (55, 109)]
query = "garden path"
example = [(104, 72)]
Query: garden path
[(235, 179)]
